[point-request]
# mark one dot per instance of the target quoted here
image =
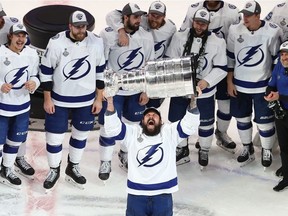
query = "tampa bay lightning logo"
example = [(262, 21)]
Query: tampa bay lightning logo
[(131, 59), (250, 56), (17, 77), (160, 48), (77, 68), (150, 155)]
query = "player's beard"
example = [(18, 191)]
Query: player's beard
[(213, 4), (132, 27), (200, 34), (149, 132), (79, 36), (155, 24)]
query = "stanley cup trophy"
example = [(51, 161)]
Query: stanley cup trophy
[(158, 79)]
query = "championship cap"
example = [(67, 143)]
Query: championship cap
[(251, 8), (202, 15), (17, 28), (2, 13), (151, 109), (132, 9), (284, 46), (78, 18), (158, 7)]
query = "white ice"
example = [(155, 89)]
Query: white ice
[(222, 189)]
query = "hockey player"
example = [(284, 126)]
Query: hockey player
[(252, 45), (155, 21), (152, 173), (5, 23), (71, 71), (129, 104), (278, 15), (210, 62), (18, 78), (277, 91), (222, 14), (162, 30)]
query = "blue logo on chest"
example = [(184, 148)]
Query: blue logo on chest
[(17, 77), (76, 68), (150, 155), (131, 59)]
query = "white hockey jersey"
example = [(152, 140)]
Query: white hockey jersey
[(151, 160), (17, 69), (279, 16), (73, 67), (161, 36), (220, 20), (212, 66), (9, 21), (251, 54), (127, 58)]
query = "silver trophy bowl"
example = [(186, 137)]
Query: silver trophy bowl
[(160, 78)]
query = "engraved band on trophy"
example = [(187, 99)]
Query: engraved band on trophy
[(160, 78)]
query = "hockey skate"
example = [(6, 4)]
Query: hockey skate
[(266, 158), (247, 155), (73, 175), (225, 142), (279, 172), (104, 170), (123, 160), (283, 184), (24, 168), (182, 155), (203, 158), (51, 179), (8, 177)]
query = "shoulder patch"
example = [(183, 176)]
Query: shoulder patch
[(195, 5), (108, 29), (171, 22), (272, 25), (14, 20), (269, 16), (281, 5), (231, 6), (56, 37)]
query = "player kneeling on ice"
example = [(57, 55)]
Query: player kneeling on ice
[(151, 156)]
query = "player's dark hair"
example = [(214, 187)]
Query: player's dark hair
[(188, 45)]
